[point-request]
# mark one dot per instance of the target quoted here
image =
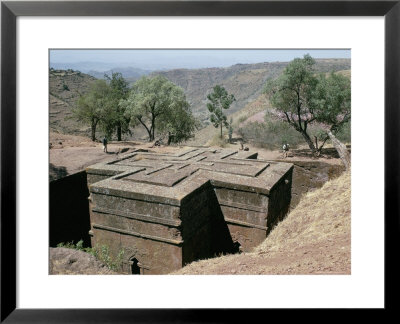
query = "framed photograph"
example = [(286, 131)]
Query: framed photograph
[(364, 33)]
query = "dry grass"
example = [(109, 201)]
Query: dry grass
[(322, 214), (313, 239), (345, 73), (254, 107), (218, 141), (206, 135)]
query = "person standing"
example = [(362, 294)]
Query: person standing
[(105, 144), (285, 148)]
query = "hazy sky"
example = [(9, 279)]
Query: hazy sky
[(160, 59)]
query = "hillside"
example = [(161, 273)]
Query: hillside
[(315, 238), (245, 81), (65, 87), (129, 73), (206, 135)]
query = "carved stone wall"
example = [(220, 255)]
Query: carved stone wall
[(167, 210)]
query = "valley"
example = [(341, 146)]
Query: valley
[(245, 81)]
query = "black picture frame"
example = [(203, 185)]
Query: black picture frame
[(10, 10)]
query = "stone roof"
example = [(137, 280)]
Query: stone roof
[(170, 178)]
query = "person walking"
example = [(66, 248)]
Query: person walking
[(104, 144), (285, 148)]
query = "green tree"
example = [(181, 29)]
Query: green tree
[(219, 99), (90, 107), (107, 117), (178, 124), (331, 101), (302, 97), (115, 116), (155, 102)]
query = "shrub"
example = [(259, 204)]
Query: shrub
[(102, 253), (68, 245), (273, 133), (241, 119), (218, 141), (270, 135), (65, 87)]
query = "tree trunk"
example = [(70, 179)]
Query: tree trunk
[(319, 149), (93, 129), (119, 132), (341, 149), (144, 125), (310, 144), (153, 127), (221, 129), (169, 138), (149, 133)]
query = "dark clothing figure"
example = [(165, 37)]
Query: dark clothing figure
[(105, 144)]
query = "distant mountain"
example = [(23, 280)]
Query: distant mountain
[(131, 74), (244, 81), (83, 66)]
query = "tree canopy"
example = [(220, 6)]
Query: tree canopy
[(90, 107), (178, 124), (331, 100), (155, 102), (115, 118), (100, 106), (219, 99), (302, 97)]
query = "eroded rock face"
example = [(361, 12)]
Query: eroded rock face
[(311, 175), (69, 261), (167, 210)]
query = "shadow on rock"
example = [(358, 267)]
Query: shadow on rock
[(57, 172)]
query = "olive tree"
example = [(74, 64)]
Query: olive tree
[(331, 103), (91, 106), (301, 97), (178, 124), (155, 102)]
